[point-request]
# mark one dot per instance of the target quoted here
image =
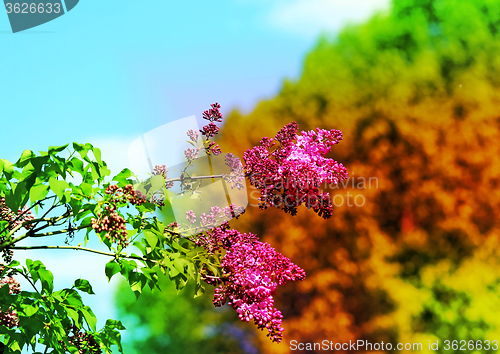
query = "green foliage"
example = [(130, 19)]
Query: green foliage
[(76, 185), (71, 194), (163, 253), (177, 323), (84, 285), (48, 314)]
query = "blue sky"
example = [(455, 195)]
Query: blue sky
[(109, 71), (114, 69)]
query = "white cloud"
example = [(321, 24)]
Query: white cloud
[(310, 17)]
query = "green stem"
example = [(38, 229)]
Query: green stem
[(32, 233), (27, 278), (194, 178), (25, 211), (78, 248), (43, 217), (59, 232), (51, 223)]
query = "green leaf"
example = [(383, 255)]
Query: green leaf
[(39, 272), (180, 282), (199, 290), (109, 336), (151, 237), (89, 317), (114, 324), (180, 263), (97, 154), (111, 269), (28, 172), (21, 192), (157, 183), (95, 171), (13, 345), (84, 285), (58, 187), (4, 291), (74, 315), (138, 284), (38, 163), (166, 212), (26, 156), (128, 267), (76, 205), (104, 170), (82, 149), (14, 263), (30, 309), (6, 166), (86, 189), (29, 263), (125, 173), (31, 325), (76, 165), (121, 178), (38, 192), (72, 297), (47, 279), (55, 149)]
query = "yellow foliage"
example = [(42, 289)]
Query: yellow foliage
[(417, 94)]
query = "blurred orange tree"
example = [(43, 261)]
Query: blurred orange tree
[(411, 252), (414, 257)]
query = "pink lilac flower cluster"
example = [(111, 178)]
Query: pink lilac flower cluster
[(23, 215), (191, 153), (236, 176), (14, 221), (252, 270), (191, 216), (292, 173), (163, 170), (9, 318), (210, 219), (213, 114), (172, 228), (213, 148), (210, 130), (193, 135), (222, 237), (233, 211)]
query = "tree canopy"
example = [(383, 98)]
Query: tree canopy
[(416, 93)]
